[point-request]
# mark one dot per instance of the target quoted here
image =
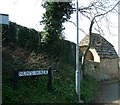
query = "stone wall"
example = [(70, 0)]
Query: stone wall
[(92, 68), (69, 54), (107, 69)]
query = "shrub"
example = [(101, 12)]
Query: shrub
[(88, 87)]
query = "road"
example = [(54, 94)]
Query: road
[(109, 92)]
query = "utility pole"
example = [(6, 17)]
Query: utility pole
[(77, 56)]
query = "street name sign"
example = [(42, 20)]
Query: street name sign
[(32, 73)]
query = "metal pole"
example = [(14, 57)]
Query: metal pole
[(77, 56)]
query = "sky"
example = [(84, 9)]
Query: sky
[(29, 13)]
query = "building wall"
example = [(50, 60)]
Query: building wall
[(89, 56), (95, 54), (101, 69), (107, 69), (83, 48), (92, 68)]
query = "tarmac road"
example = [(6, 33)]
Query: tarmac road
[(108, 93)]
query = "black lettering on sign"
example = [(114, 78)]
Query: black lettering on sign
[(41, 72), (21, 74), (46, 72), (36, 72), (31, 72), (25, 73)]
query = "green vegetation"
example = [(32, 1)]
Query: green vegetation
[(21, 36), (56, 13), (60, 56), (88, 88), (34, 89)]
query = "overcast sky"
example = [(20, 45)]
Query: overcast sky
[(29, 13)]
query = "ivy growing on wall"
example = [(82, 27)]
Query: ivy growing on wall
[(21, 36)]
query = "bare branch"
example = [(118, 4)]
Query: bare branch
[(88, 7), (100, 30), (105, 12), (90, 31), (79, 28)]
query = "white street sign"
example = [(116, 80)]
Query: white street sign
[(32, 73)]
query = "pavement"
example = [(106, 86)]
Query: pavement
[(108, 93)]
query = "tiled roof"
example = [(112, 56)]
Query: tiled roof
[(104, 48)]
